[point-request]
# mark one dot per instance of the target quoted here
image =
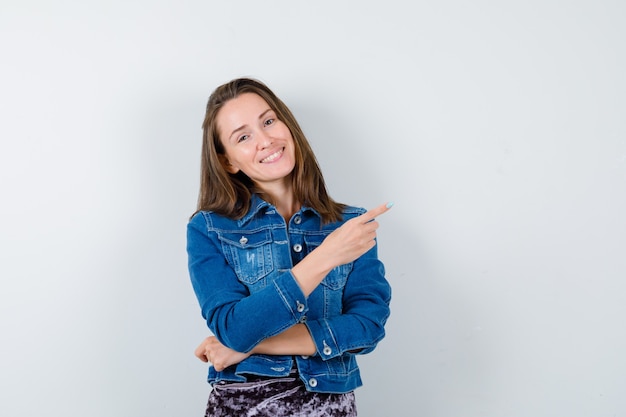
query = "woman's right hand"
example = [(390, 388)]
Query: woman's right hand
[(342, 246), (354, 238)]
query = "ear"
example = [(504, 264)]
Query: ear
[(231, 169)]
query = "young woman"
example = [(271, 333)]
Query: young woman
[(287, 279)]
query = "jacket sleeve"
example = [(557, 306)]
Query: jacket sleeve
[(366, 300), (231, 312)]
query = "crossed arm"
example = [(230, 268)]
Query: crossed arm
[(294, 341)]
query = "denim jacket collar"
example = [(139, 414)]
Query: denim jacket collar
[(257, 204)]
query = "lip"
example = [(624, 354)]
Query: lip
[(273, 157)]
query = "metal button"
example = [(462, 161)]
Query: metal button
[(297, 220), (300, 307), (305, 356), (327, 350), (243, 240), (297, 248), (313, 382), (303, 319)]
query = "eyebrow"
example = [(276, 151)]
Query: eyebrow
[(261, 116)]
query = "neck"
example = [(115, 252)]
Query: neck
[(287, 207), (285, 201)]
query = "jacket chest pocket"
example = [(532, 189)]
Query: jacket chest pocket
[(336, 279), (250, 254), (332, 288)]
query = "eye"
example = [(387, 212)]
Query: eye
[(269, 122), (242, 138)]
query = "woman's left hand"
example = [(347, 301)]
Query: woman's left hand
[(220, 356)]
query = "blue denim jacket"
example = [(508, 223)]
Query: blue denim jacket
[(241, 274)]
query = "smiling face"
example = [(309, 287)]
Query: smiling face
[(256, 142)]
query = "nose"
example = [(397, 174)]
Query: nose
[(264, 140)]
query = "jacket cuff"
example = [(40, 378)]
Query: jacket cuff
[(291, 294), (325, 342)]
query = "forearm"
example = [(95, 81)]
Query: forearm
[(310, 272), (296, 340)]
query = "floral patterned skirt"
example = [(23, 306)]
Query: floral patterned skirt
[(276, 397)]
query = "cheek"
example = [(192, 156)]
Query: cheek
[(242, 155), (286, 134)]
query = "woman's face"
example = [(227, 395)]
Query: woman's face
[(255, 141)]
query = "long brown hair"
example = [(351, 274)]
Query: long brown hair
[(230, 194)]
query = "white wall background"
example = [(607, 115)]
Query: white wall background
[(498, 128)]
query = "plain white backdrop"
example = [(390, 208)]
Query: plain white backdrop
[(497, 128)]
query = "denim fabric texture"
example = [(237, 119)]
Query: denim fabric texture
[(241, 274)]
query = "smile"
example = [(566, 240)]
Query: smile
[(273, 156)]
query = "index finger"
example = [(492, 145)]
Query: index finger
[(376, 211)]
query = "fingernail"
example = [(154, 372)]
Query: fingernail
[(390, 204)]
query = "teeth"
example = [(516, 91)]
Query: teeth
[(272, 156)]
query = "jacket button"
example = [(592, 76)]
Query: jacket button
[(313, 382), (300, 307), (297, 248), (327, 350), (305, 356), (243, 240), (297, 220)]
